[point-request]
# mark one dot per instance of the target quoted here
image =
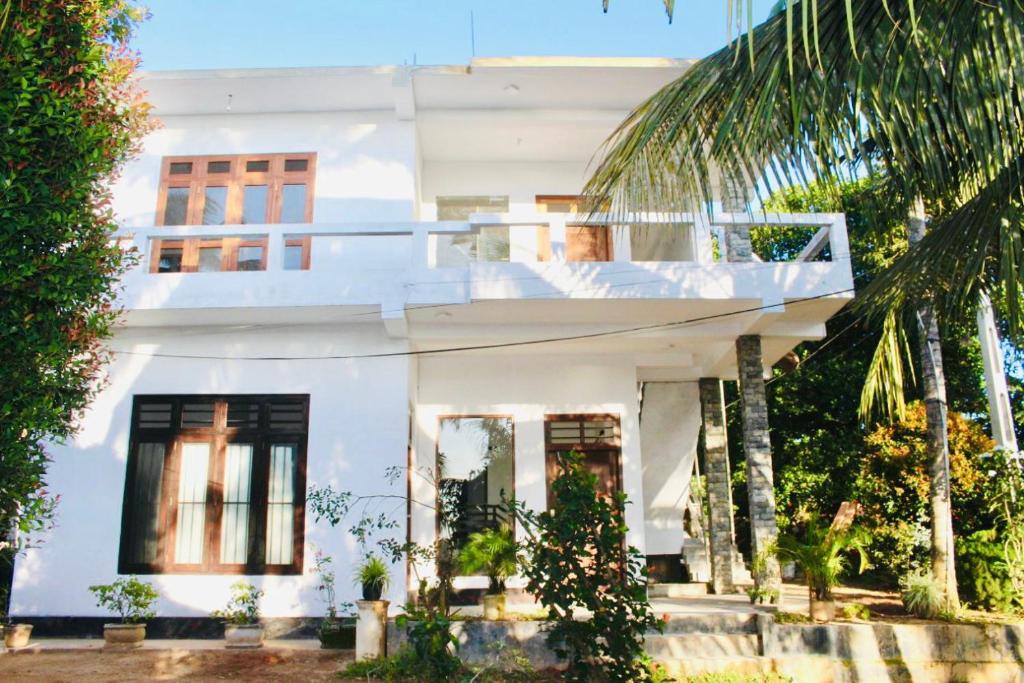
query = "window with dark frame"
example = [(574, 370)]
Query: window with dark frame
[(597, 438), (215, 485)]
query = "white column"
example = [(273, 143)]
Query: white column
[(995, 378), (371, 629)]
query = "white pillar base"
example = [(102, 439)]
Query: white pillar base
[(371, 629)]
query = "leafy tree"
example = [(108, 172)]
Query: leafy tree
[(70, 115), (931, 92), (579, 561)]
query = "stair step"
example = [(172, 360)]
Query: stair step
[(676, 590), (675, 646), (712, 624)]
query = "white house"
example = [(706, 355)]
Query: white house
[(346, 270)]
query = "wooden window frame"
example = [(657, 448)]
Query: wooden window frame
[(614, 444), (190, 247), (544, 236), (306, 242), (275, 178), (437, 452), (219, 436)]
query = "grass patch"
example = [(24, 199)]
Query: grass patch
[(730, 677), (792, 618), (507, 665)]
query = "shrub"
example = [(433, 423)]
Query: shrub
[(578, 561), (493, 551), (434, 646), (922, 594), (982, 575), (129, 598), (822, 554), (855, 610), (373, 573), (243, 607)]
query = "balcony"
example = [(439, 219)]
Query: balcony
[(382, 270)]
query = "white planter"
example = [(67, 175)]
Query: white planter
[(243, 636), (823, 610), (494, 607), (123, 636), (17, 635), (371, 629)]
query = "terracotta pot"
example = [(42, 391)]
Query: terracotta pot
[(494, 607), (17, 635), (243, 636), (124, 636), (823, 610)]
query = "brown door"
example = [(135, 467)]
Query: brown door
[(596, 438), (588, 243)]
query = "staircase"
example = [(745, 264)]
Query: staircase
[(693, 644)]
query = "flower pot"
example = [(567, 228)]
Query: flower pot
[(494, 607), (243, 636), (17, 635), (123, 636), (823, 610), (338, 635), (372, 591)]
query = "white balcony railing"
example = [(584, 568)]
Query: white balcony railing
[(505, 256)]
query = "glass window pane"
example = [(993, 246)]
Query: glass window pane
[(660, 242), (281, 503), (143, 524), (475, 459), (189, 542), (209, 259), (215, 205), (296, 164), (176, 210), (218, 167), (254, 204), (459, 208), (234, 529), (250, 258), (293, 257), (181, 167), (454, 251), (293, 204), (493, 243), (170, 260), (257, 166)]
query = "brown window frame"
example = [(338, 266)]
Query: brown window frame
[(275, 178), (575, 250), (306, 242), (614, 444), (190, 247), (219, 435)]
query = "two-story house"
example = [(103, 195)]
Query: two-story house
[(348, 271)]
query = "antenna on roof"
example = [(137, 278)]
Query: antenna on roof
[(472, 35)]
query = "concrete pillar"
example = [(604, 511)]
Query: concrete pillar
[(371, 629), (760, 481), (719, 489)]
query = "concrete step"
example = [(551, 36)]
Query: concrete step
[(676, 590), (712, 624), (676, 646)]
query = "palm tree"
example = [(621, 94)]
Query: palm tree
[(931, 92)]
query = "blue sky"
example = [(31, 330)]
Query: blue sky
[(197, 34)]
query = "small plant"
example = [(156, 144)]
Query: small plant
[(760, 595), (922, 594), (792, 618), (494, 552), (821, 554), (129, 598), (764, 590), (374, 577), (243, 607), (856, 610)]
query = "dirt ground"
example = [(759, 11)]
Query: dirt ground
[(178, 665)]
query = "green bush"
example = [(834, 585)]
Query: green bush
[(922, 594), (243, 607), (982, 578), (129, 598)]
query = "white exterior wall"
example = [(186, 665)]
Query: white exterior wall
[(670, 427), (527, 387), (358, 426)]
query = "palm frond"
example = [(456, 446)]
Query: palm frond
[(882, 394), (931, 92)]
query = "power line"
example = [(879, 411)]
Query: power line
[(482, 347)]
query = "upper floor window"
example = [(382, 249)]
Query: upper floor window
[(490, 244), (231, 190), (582, 242), (215, 484)]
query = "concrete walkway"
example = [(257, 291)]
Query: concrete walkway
[(45, 645)]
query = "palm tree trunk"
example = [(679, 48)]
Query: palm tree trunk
[(934, 383)]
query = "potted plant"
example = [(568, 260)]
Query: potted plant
[(821, 556), (374, 577), (335, 633), (132, 600), (242, 628), (496, 553), (760, 593)]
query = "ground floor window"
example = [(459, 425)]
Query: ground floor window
[(475, 462), (596, 437), (215, 484)]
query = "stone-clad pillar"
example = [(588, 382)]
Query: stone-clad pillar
[(760, 482), (719, 489)]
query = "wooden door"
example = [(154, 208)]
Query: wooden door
[(588, 243), (596, 438)]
